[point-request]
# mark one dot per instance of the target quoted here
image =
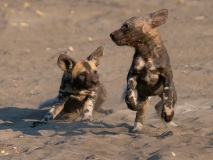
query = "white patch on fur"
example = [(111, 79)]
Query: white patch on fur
[(131, 79), (170, 123), (87, 92), (152, 67), (87, 110), (137, 127), (166, 88), (48, 116), (173, 124), (52, 110), (168, 110), (139, 63), (133, 95), (165, 98), (78, 97), (84, 92), (93, 93), (133, 82)]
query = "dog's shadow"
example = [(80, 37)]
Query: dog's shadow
[(20, 119)]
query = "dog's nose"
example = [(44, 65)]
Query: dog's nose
[(111, 35), (94, 80)]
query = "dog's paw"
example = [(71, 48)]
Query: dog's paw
[(36, 123), (131, 96), (131, 100), (173, 124), (167, 114), (86, 119), (137, 127)]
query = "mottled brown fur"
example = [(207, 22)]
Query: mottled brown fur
[(80, 91), (150, 73)]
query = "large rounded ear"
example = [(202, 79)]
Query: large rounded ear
[(96, 55), (158, 18), (65, 62)]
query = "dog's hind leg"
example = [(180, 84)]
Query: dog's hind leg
[(140, 115), (53, 112)]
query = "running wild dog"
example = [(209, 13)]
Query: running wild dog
[(150, 73), (80, 90)]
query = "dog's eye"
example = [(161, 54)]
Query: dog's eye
[(82, 74), (95, 72), (125, 26)]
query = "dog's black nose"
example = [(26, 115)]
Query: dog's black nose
[(111, 35)]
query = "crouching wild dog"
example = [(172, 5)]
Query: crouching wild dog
[(150, 73), (80, 90)]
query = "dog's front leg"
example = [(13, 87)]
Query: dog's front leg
[(53, 112), (87, 110), (88, 107), (159, 108), (131, 97), (169, 98)]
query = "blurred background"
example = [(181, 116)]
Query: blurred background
[(34, 32)]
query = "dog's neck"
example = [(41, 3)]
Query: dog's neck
[(149, 45)]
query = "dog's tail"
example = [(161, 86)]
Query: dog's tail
[(48, 103)]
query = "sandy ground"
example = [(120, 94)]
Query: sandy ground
[(32, 35)]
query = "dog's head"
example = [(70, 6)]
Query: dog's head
[(84, 72), (137, 29)]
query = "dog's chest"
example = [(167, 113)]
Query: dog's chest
[(67, 89), (145, 70)]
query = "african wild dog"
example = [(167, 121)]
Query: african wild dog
[(150, 73), (80, 90)]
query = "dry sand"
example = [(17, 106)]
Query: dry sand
[(32, 35)]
